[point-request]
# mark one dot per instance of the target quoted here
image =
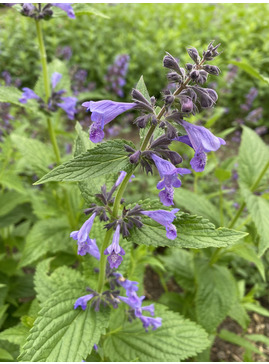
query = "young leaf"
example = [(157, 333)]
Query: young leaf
[(106, 158), (193, 232), (238, 340), (251, 71), (216, 293), (141, 86), (176, 340), (15, 335), (62, 334)]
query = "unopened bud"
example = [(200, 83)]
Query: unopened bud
[(171, 63), (174, 77), (174, 157), (213, 70), (169, 99), (194, 75), (186, 105), (137, 96), (134, 158), (202, 77), (193, 53), (141, 121), (188, 66)]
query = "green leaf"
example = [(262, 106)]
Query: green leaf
[(15, 335), (248, 252), (196, 204), (258, 338), (259, 210), (253, 157), (12, 95), (176, 340), (9, 200), (238, 340), (255, 307), (79, 9), (216, 292), (83, 142), (5, 355), (106, 158), (61, 333), (251, 71), (46, 236), (193, 232), (46, 284), (35, 153), (239, 314), (180, 263), (141, 86), (222, 174)]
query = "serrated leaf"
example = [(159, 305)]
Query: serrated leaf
[(83, 142), (196, 204), (46, 236), (176, 340), (193, 232), (15, 335), (9, 200), (46, 284), (35, 153), (239, 314), (180, 263), (238, 340), (106, 158), (253, 157), (216, 293), (248, 252), (141, 86), (12, 95), (67, 335), (259, 211)]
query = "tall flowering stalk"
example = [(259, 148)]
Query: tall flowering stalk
[(186, 100)]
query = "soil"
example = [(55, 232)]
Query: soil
[(221, 351)]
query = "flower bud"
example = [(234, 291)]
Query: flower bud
[(134, 158), (169, 99), (171, 63), (193, 53), (128, 148), (202, 77), (137, 96), (174, 157), (194, 75), (188, 66), (141, 121), (186, 105), (213, 70), (174, 77), (152, 100)]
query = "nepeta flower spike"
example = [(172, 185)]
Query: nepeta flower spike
[(114, 250)]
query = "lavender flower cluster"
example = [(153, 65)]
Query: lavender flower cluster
[(37, 12), (188, 98), (116, 73), (66, 103)]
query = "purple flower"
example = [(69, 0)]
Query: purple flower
[(69, 106), (85, 244), (115, 250), (129, 286), (164, 218), (132, 300), (55, 78), (169, 174), (121, 178), (27, 95), (67, 8), (202, 141), (82, 301), (150, 321), (102, 113), (95, 347)]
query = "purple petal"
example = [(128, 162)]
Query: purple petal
[(198, 162), (69, 106), (55, 78), (96, 133), (67, 8), (167, 196), (27, 95), (82, 301)]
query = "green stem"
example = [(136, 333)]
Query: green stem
[(116, 205), (43, 58), (252, 189)]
